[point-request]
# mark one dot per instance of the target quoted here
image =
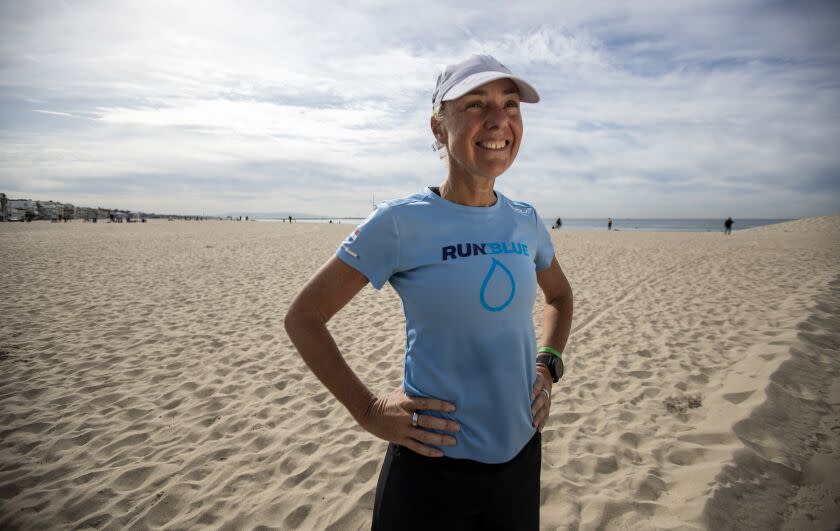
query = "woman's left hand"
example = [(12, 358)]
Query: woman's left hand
[(541, 404)]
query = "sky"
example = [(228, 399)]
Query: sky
[(650, 108)]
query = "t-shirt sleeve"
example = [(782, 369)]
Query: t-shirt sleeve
[(545, 247), (373, 247)]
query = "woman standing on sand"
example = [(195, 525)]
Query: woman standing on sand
[(465, 425)]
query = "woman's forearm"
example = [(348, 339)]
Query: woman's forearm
[(557, 322), (320, 353)]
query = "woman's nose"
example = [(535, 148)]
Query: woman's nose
[(496, 117)]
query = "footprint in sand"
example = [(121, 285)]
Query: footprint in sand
[(630, 439), (686, 456), (737, 398), (297, 517)]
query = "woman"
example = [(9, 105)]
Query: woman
[(464, 428)]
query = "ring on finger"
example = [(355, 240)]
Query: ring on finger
[(415, 417), (545, 391)]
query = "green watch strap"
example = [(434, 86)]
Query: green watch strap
[(549, 350)]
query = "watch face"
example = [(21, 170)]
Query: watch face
[(552, 366), (555, 366)]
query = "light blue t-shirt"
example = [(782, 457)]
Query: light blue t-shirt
[(466, 277)]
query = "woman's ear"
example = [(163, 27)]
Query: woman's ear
[(438, 130)]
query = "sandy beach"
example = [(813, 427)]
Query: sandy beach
[(147, 381)]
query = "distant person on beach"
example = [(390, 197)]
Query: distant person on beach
[(609, 223), (290, 219), (727, 225), (558, 224), (465, 425)]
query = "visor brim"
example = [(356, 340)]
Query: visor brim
[(527, 93)]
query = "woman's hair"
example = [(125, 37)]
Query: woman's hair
[(439, 113)]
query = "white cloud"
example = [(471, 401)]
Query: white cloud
[(54, 113)]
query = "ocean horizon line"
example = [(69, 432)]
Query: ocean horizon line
[(618, 224)]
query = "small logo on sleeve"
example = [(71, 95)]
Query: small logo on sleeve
[(351, 239)]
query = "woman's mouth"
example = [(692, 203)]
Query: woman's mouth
[(493, 145)]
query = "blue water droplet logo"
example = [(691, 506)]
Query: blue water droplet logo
[(496, 264)]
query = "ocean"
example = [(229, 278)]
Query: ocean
[(661, 225), (637, 225)]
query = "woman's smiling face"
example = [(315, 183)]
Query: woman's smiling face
[(482, 130)]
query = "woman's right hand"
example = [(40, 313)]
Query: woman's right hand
[(389, 418)]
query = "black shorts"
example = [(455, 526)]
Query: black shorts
[(441, 493)]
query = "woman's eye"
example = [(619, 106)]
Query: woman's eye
[(474, 105), (512, 103)]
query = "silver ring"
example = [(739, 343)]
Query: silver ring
[(414, 418), (547, 396)]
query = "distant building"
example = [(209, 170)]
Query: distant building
[(85, 213), (49, 210), (20, 209), (28, 210)]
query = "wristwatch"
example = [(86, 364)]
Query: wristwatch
[(554, 364)]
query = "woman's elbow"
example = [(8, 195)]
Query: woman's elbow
[(289, 321), (561, 297), (295, 318)]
